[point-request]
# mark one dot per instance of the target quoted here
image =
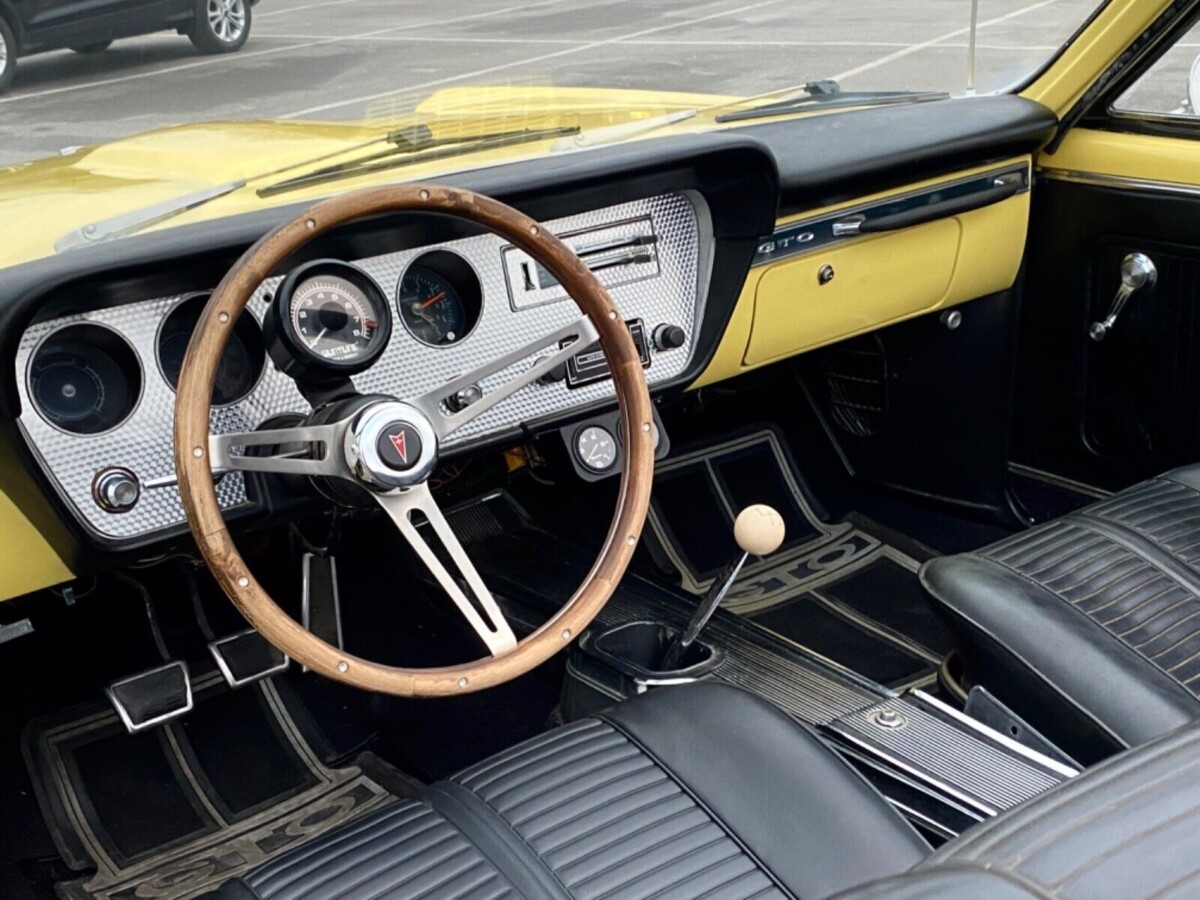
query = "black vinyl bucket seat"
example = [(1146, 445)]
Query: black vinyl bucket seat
[(1088, 625)]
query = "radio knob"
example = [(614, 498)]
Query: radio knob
[(116, 489), (668, 337)]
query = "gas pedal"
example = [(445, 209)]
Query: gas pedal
[(152, 697), (247, 657), (320, 609)]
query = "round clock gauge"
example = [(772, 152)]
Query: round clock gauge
[(597, 448)]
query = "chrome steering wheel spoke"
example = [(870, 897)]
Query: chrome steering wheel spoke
[(437, 405), (484, 614), (324, 454)]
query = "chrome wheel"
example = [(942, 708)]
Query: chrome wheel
[(3, 53), (226, 20)]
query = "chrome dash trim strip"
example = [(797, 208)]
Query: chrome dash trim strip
[(830, 228), (1121, 182)]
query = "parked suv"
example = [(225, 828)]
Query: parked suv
[(35, 26)]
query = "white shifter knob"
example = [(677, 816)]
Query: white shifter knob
[(758, 530)]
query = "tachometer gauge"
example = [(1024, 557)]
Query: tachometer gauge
[(331, 316), (439, 298)]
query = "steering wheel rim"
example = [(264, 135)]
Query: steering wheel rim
[(193, 464)]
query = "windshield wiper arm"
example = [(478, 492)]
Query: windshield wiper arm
[(417, 141), (139, 219), (443, 148), (828, 95)]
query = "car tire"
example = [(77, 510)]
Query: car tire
[(8, 55), (98, 47), (220, 26)]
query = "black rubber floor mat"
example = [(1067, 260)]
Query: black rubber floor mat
[(813, 624), (890, 594), (837, 588), (173, 812)]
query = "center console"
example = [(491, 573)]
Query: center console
[(943, 769)]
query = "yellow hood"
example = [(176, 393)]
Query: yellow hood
[(42, 200)]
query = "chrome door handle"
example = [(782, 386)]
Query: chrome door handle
[(1138, 273), (848, 226)]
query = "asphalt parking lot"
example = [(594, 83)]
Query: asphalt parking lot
[(353, 59)]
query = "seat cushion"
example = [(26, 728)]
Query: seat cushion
[(1088, 625), (1128, 829), (697, 790)]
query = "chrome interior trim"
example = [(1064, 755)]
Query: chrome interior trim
[(1121, 182), (835, 228), (991, 734)]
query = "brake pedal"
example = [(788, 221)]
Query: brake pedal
[(152, 697), (321, 610), (247, 657)]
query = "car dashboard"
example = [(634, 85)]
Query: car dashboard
[(97, 386)]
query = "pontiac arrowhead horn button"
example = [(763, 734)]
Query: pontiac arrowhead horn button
[(399, 445)]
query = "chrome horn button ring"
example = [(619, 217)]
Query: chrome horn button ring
[(390, 446)]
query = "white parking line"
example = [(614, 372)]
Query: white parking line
[(212, 60), (932, 42), (287, 10), (367, 98), (563, 42)]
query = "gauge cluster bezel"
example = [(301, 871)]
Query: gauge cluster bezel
[(130, 369), (246, 329), (288, 350)]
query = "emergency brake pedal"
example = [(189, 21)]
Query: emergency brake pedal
[(152, 697), (320, 608), (247, 657)]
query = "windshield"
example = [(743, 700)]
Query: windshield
[(488, 67)]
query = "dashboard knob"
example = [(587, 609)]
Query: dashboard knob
[(668, 337), (116, 489), (460, 400)]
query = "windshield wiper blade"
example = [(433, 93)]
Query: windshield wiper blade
[(443, 148), (139, 219), (827, 95), (414, 140)]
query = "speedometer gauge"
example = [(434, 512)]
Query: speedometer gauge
[(330, 316)]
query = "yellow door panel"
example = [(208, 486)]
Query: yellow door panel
[(881, 279), (1166, 161)]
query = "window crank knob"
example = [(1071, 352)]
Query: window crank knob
[(759, 530), (1138, 271)]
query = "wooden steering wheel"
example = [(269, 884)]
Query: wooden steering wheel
[(355, 448)]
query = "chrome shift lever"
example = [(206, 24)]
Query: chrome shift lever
[(1138, 272), (758, 530)]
